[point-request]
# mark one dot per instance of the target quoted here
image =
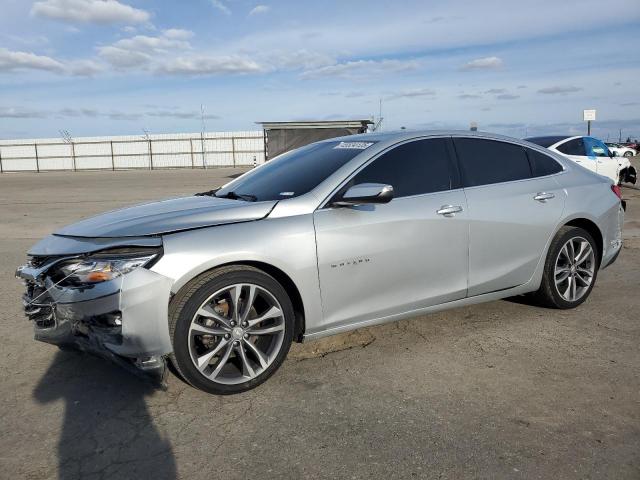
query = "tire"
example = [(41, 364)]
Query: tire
[(555, 294), (628, 154), (221, 345)]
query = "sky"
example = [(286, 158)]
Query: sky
[(122, 67)]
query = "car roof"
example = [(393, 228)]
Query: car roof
[(391, 137), (548, 140)]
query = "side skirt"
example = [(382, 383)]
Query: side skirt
[(485, 297)]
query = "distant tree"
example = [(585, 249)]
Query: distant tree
[(628, 139)]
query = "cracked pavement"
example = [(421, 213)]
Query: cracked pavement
[(500, 390)]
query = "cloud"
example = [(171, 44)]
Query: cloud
[(507, 96), (14, 61), (221, 6), (468, 96), (140, 50), (194, 115), (413, 93), (258, 9), (487, 63), (559, 90), (84, 68), (17, 113), (178, 34), (89, 11), (507, 125), (359, 68), (210, 65), (630, 104), (22, 113), (298, 59), (496, 91)]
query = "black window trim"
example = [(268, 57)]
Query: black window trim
[(524, 147), (454, 172)]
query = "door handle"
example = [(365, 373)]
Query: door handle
[(449, 210), (543, 196)]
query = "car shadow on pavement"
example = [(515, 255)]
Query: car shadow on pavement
[(107, 430)]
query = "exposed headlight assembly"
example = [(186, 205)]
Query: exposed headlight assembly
[(100, 268)]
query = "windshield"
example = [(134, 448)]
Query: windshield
[(293, 173)]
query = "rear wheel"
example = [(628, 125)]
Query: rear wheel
[(570, 269), (628, 154), (231, 329)]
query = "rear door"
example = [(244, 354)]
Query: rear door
[(379, 260), (514, 205)]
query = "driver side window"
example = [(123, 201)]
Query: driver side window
[(595, 148), (413, 168)]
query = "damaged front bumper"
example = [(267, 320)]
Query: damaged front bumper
[(628, 175), (123, 320)]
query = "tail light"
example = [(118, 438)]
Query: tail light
[(616, 189)]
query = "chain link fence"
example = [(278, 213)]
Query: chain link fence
[(188, 150)]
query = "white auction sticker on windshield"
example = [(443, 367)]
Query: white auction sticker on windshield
[(354, 145)]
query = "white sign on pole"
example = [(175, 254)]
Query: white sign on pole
[(589, 115)]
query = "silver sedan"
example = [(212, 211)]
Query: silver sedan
[(337, 235)]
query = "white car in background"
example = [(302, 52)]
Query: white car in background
[(592, 154), (622, 150)]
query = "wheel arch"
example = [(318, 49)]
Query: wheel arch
[(593, 230), (281, 277)]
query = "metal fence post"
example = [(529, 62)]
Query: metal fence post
[(1, 170), (204, 160), (35, 146), (150, 156), (193, 165), (73, 156), (233, 150), (264, 144), (113, 163)]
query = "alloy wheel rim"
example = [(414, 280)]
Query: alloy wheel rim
[(574, 269), (236, 334)]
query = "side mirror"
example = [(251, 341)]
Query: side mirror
[(613, 153), (365, 193)]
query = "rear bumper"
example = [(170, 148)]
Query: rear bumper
[(613, 236), (123, 320)]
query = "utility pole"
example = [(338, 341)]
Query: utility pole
[(378, 124), (148, 138), (202, 129), (66, 136)]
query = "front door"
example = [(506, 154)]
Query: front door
[(598, 153), (379, 260)]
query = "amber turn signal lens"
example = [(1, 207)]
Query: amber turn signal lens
[(99, 276)]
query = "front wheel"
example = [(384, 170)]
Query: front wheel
[(231, 329), (570, 269), (628, 154)]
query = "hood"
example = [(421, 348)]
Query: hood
[(168, 216)]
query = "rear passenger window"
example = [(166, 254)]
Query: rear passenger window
[(413, 168), (490, 161), (573, 147), (542, 164)]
